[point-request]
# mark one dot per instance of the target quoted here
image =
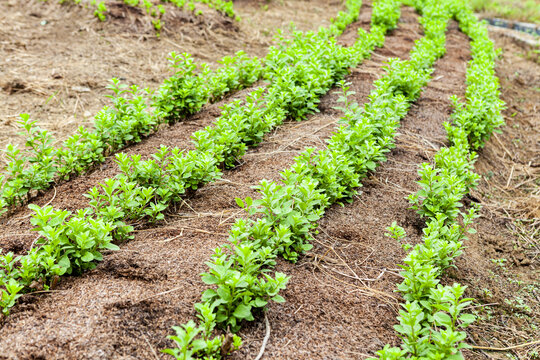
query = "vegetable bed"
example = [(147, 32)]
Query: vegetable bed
[(265, 208)]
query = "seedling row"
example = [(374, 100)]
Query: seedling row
[(156, 11)]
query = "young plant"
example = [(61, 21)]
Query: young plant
[(22, 178), (182, 94)]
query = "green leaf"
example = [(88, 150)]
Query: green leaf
[(54, 222), (208, 294), (467, 319), (224, 294), (443, 319), (242, 311), (307, 247), (258, 302), (222, 317), (64, 262), (240, 203), (209, 279), (87, 257), (198, 344), (110, 246), (34, 207)]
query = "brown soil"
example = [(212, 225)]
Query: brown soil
[(56, 60), (341, 302)]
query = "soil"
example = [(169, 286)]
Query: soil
[(341, 302)]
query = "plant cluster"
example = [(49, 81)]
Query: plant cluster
[(127, 121), (155, 11), (480, 115), (432, 322), (386, 14), (285, 216), (191, 86), (67, 244), (19, 179), (344, 18), (226, 7), (100, 9)]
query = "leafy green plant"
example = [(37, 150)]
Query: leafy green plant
[(190, 347), (386, 14), (183, 93), (20, 179), (101, 9), (239, 290), (157, 26), (67, 244), (76, 240), (9, 295), (237, 72)]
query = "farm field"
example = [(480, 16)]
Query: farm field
[(362, 184)]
